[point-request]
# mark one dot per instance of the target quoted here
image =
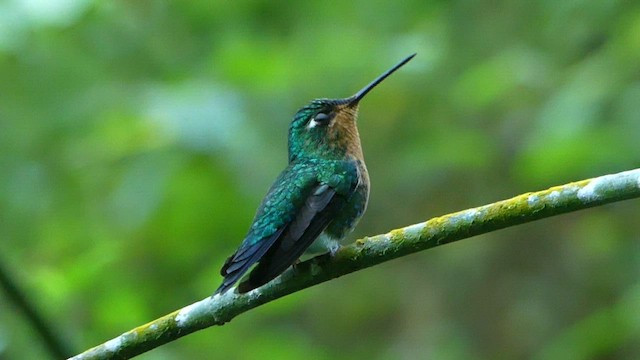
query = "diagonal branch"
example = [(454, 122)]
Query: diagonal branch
[(371, 251), (54, 344)]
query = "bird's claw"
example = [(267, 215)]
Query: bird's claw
[(295, 264)]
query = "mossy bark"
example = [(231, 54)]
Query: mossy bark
[(370, 251)]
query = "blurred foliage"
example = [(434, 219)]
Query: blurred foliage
[(138, 137)]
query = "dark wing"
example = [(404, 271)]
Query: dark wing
[(278, 209), (247, 255), (311, 219), (299, 206)]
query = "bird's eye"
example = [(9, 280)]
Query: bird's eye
[(321, 119)]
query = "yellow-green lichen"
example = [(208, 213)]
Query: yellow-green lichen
[(396, 235)]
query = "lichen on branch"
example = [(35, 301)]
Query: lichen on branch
[(369, 251)]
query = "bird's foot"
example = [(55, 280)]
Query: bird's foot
[(295, 264), (333, 249)]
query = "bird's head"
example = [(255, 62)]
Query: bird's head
[(326, 128)]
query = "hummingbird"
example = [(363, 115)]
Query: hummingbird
[(318, 198)]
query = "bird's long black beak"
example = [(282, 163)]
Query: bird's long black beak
[(355, 99)]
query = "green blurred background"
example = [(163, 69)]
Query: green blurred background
[(138, 137)]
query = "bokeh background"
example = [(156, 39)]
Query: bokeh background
[(138, 137)]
